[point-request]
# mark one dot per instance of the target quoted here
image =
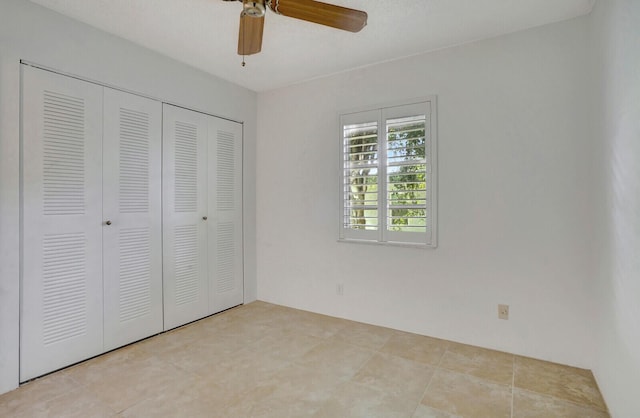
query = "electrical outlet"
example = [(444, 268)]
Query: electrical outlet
[(339, 289), (503, 311)]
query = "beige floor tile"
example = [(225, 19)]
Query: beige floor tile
[(293, 391), (395, 376), (114, 364), (467, 396), (240, 370), (278, 317), (203, 357), (20, 401), (285, 344), (364, 335), (533, 405), (171, 340), (273, 408), (564, 382), (480, 362), (199, 398), (242, 333), (246, 372), (256, 310), (124, 386), (78, 403), (355, 400), (302, 382), (315, 325), (416, 347), (342, 360), (423, 411)]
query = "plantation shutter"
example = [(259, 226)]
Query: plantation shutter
[(408, 179), (388, 173), (360, 197)]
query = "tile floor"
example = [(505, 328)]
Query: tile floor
[(263, 360)]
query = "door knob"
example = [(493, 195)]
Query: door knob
[(204, 218), (108, 222)]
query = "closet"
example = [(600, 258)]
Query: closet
[(94, 238), (202, 215), (91, 220)]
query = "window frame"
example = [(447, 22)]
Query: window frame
[(381, 114)]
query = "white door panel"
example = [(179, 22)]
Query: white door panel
[(132, 147), (61, 183), (225, 212), (184, 216)]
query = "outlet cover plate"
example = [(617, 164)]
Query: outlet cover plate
[(503, 312)]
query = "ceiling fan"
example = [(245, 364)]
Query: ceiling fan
[(253, 11)]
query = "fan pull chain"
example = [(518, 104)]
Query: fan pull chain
[(244, 35)]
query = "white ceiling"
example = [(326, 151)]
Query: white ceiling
[(203, 33)]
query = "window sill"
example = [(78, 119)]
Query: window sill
[(388, 243)]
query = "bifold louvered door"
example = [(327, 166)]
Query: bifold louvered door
[(132, 155), (91, 220), (62, 298), (185, 216), (202, 215), (225, 211)]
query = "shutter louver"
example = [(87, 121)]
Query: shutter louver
[(406, 174), (360, 186)]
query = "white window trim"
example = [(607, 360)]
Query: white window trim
[(377, 237)]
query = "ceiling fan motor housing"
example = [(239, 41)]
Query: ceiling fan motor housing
[(254, 8)]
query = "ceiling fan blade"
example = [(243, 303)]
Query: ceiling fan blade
[(250, 36), (322, 13)]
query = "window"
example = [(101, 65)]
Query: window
[(388, 180)]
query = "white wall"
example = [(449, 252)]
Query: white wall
[(514, 206), (616, 40), (32, 33)]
